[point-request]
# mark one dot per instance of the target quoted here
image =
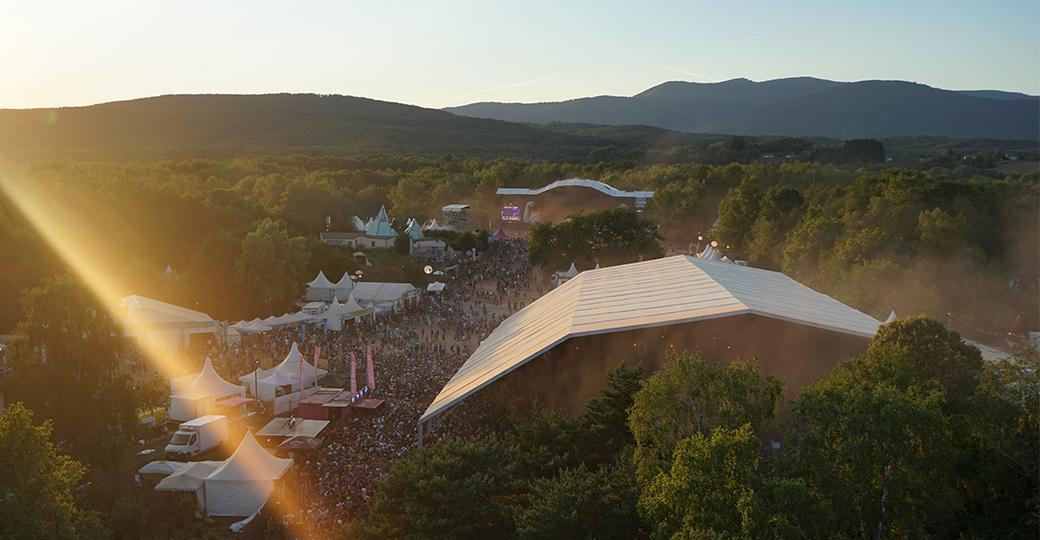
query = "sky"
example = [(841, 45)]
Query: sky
[(445, 53)]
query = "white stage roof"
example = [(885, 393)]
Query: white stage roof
[(666, 291), (578, 182), (144, 311)]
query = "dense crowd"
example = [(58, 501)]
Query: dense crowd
[(416, 350)]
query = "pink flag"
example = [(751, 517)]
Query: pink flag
[(353, 374), (371, 371), (317, 355)]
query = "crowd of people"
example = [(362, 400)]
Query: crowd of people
[(416, 350)]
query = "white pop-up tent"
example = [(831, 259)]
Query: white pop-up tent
[(436, 286), (243, 482), (197, 397), (320, 288)]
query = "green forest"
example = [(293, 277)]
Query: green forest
[(237, 233)]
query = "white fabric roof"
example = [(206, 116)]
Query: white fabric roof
[(436, 286), (374, 292), (250, 463), (320, 282), (290, 366), (660, 292), (140, 310), (208, 383), (344, 283), (358, 224), (188, 478), (578, 182), (161, 467)]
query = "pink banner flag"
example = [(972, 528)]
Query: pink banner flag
[(353, 374), (371, 372), (317, 355)]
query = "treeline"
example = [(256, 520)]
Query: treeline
[(965, 252), (197, 217), (916, 438)]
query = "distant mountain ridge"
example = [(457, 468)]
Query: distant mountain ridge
[(798, 106), (217, 125)]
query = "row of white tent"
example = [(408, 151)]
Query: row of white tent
[(294, 371), (197, 394), (378, 296), (320, 289), (235, 487)]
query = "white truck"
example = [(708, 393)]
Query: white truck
[(197, 436)]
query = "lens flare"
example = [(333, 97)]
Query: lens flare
[(78, 230)]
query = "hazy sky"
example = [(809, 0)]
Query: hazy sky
[(445, 53)]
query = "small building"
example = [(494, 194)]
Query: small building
[(456, 216), (376, 233)]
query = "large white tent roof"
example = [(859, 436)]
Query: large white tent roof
[(250, 463), (208, 383), (660, 292), (140, 310), (373, 292)]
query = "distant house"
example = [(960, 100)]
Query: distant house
[(376, 233)]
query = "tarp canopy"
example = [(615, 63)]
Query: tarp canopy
[(436, 286), (188, 478), (164, 468), (243, 482)]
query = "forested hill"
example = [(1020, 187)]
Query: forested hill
[(801, 106), (222, 125)]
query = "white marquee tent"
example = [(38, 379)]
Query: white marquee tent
[(196, 398), (320, 288), (243, 482)]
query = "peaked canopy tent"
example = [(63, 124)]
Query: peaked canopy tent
[(722, 309), (190, 479), (294, 365), (243, 482), (320, 288), (274, 380), (197, 397), (163, 323), (344, 286)]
